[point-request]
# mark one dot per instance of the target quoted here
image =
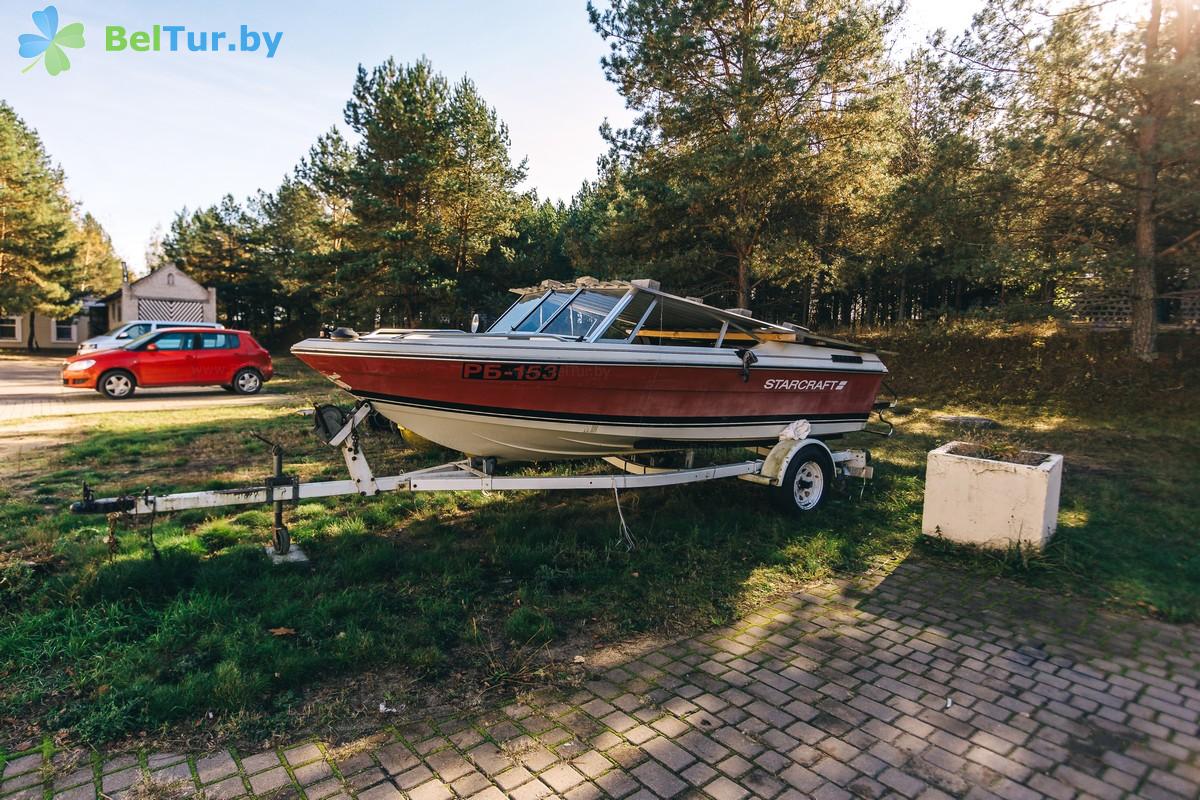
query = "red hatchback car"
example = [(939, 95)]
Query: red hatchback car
[(180, 356)]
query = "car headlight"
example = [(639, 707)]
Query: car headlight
[(80, 366)]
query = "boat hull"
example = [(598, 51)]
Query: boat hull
[(536, 404)]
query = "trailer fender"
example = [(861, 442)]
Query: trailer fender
[(776, 463)]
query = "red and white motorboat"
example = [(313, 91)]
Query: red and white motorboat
[(604, 368)]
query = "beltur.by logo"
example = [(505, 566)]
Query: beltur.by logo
[(47, 47), (174, 38)]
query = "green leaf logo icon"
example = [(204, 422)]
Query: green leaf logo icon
[(47, 47)]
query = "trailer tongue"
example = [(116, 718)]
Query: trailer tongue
[(799, 468)]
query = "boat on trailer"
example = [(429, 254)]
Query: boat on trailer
[(589, 369), (597, 368)]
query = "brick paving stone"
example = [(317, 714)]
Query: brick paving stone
[(227, 789), (698, 774), (118, 763), (381, 791), (513, 778), (431, 790), (302, 754), (537, 758), (214, 767), (591, 763), (490, 793), (21, 782), (156, 761), (534, 790), (260, 762), (269, 780), (86, 791), (562, 777), (175, 772), (116, 781), (74, 778), (724, 789), (311, 773), (22, 764), (658, 779), (449, 765)]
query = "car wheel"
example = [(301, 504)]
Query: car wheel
[(247, 381), (806, 483), (117, 384)]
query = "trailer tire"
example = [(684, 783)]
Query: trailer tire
[(117, 384), (247, 380), (806, 482)]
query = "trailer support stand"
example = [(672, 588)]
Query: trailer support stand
[(281, 540)]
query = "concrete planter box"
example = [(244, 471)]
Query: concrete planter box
[(978, 500)]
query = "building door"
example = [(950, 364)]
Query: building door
[(170, 310)]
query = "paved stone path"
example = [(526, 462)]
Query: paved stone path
[(924, 683)]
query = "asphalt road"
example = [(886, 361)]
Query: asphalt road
[(30, 386)]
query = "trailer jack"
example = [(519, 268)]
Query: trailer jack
[(280, 540)]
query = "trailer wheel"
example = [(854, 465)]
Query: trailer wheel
[(247, 381), (117, 384), (807, 480)]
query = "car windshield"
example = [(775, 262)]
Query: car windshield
[(133, 345)]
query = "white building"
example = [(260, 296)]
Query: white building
[(167, 293)]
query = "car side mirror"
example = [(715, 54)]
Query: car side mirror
[(152, 347), (474, 323), (122, 335)]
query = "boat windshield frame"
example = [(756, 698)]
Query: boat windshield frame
[(661, 299), (722, 322)]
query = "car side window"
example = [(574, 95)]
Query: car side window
[(175, 341), (218, 341), (134, 331)]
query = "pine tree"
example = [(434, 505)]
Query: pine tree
[(38, 273), (479, 180), (97, 262), (1093, 123), (742, 105), (400, 116)]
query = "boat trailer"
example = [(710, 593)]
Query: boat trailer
[(800, 484)]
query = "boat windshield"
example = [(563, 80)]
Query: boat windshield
[(673, 322), (583, 313), (631, 315), (518, 312), (563, 313), (543, 311)]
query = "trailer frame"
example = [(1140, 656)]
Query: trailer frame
[(469, 474)]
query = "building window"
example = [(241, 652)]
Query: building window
[(170, 279), (64, 330), (10, 329)]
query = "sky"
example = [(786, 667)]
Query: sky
[(141, 135)]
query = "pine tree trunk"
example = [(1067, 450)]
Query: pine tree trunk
[(1144, 288), (744, 278)]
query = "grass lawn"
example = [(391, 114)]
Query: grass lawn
[(427, 591)]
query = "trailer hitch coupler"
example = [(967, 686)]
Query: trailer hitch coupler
[(107, 506)]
